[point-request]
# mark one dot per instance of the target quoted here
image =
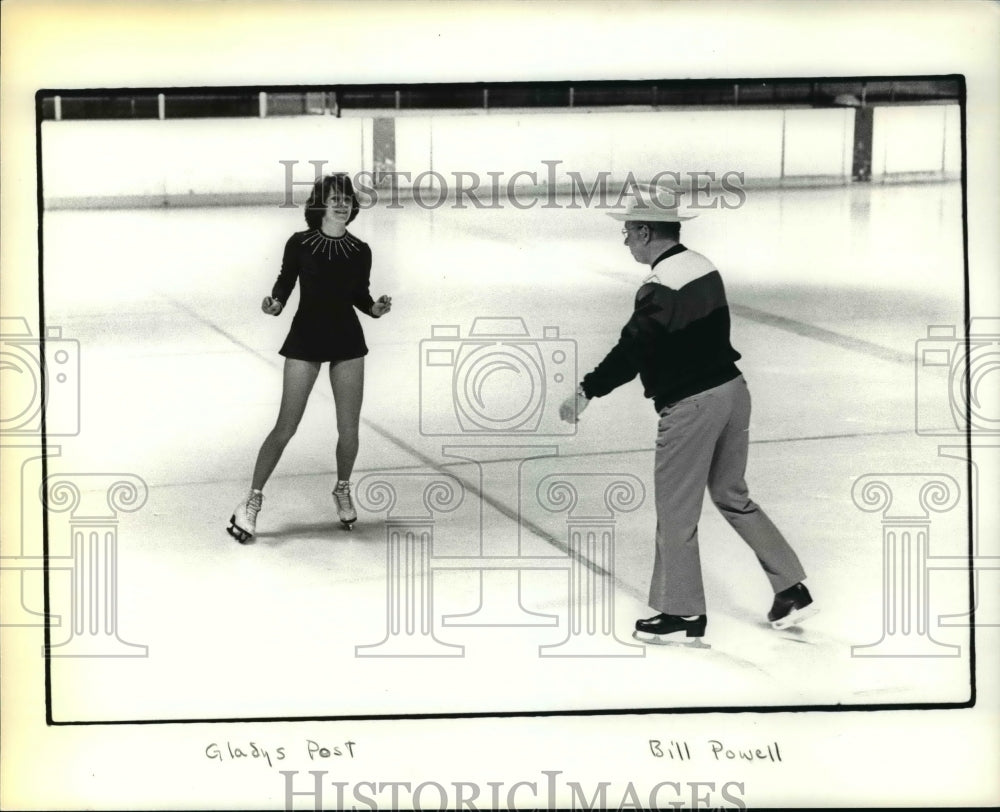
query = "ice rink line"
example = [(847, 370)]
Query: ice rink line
[(444, 466), (821, 334)]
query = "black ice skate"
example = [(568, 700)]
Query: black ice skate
[(666, 630), (791, 606), (345, 505), (243, 522)]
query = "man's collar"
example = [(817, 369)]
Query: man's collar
[(672, 251)]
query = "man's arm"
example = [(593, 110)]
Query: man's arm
[(653, 305)]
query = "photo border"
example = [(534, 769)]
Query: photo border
[(833, 708)]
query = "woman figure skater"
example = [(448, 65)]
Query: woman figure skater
[(333, 268)]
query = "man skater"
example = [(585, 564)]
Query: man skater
[(677, 341)]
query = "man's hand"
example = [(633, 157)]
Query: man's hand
[(571, 408), (382, 306), (271, 306)]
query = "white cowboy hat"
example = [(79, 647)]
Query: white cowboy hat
[(652, 212)]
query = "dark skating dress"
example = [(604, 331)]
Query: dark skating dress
[(333, 274)]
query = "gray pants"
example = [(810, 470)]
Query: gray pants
[(702, 441)]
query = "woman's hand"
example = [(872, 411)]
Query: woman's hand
[(382, 306), (271, 306)]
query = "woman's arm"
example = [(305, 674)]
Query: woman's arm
[(362, 297), (289, 273)]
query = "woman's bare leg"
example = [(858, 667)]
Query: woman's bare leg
[(347, 378), (299, 378)]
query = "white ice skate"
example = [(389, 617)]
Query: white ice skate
[(345, 505), (243, 522)]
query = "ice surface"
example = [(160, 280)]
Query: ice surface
[(180, 381)]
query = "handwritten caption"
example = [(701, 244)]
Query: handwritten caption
[(715, 750), (254, 751)]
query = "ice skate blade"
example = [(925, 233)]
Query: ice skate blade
[(796, 617), (347, 525), (678, 641), (238, 533)]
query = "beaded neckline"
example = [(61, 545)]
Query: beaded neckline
[(345, 244)]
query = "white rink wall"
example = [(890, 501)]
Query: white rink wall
[(207, 161), (915, 139), (89, 161)]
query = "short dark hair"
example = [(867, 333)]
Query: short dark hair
[(316, 205), (670, 231)]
